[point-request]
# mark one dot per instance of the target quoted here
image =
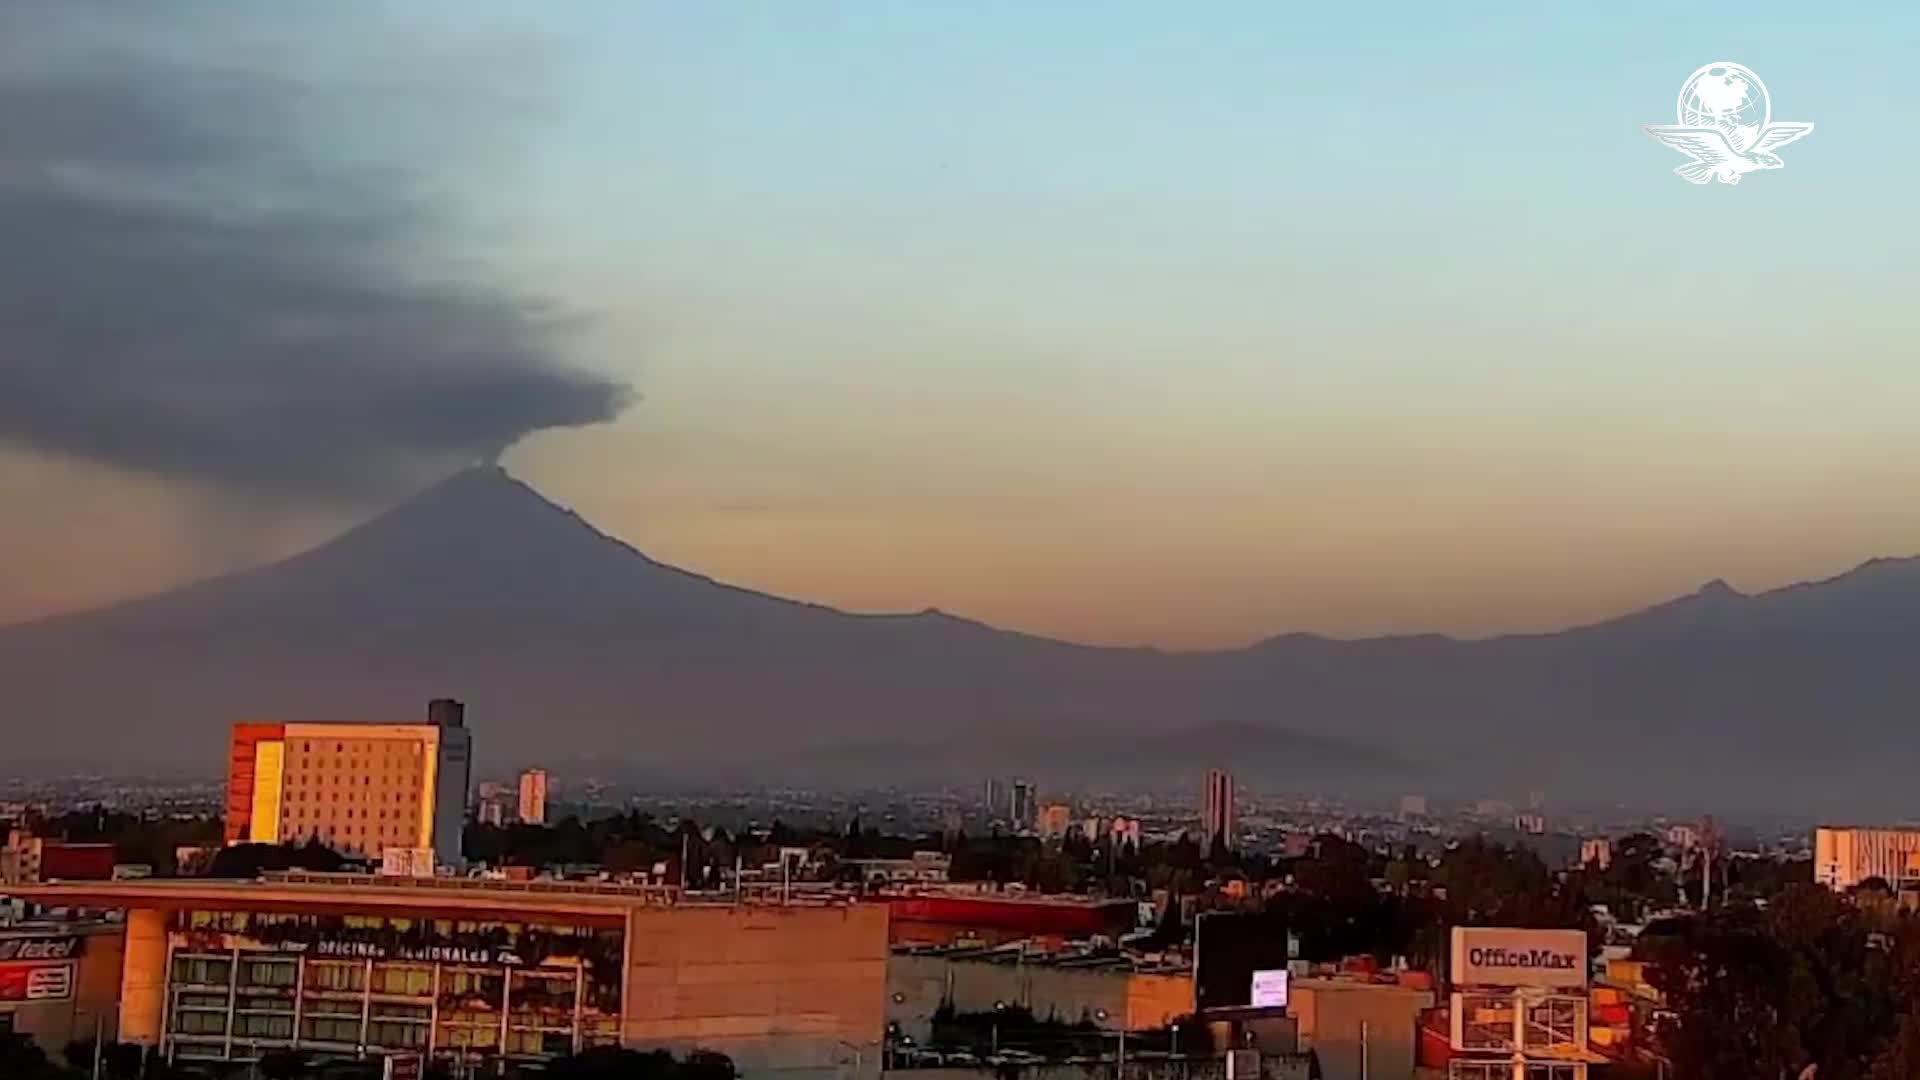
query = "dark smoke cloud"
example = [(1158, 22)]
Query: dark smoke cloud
[(188, 286)]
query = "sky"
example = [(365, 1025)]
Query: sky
[(1121, 322)]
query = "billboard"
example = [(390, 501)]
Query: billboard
[(36, 982), (1269, 989), (41, 947), (1497, 956), (1228, 949)]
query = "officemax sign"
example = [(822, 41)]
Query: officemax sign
[(1497, 956)]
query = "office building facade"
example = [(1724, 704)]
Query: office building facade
[(357, 788), (1845, 857), (483, 975)]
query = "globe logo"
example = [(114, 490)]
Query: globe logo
[(1728, 98), (1726, 125)]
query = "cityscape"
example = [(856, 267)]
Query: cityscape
[(353, 893), (691, 540)]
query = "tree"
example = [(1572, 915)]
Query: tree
[(250, 860), (1813, 980), (22, 1059)]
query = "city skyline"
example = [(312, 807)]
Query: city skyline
[(1130, 346)]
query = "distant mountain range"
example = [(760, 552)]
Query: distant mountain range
[(572, 648)]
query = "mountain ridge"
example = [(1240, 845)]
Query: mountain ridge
[(567, 641), (492, 480)]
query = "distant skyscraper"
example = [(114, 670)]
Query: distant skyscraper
[(1217, 815), (533, 796), (1024, 805), (995, 792), (1413, 806), (493, 812)]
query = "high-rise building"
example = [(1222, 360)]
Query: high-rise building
[(1845, 857), (1218, 818), (358, 788), (533, 796), (1024, 805)]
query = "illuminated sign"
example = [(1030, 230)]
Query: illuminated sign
[(40, 948), (1269, 989), (450, 954), (36, 982), (1494, 956)]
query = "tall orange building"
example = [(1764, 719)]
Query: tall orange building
[(358, 788)]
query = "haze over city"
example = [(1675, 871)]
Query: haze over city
[(968, 540), (1115, 326)]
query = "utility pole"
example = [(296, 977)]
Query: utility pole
[(1365, 1071), (99, 1033)]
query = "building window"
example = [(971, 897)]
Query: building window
[(330, 1029), (190, 1022), (202, 970)]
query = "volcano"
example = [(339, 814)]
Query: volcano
[(576, 650)]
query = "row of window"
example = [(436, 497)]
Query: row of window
[(365, 746), (301, 797)]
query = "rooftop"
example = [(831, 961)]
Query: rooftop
[(301, 892)]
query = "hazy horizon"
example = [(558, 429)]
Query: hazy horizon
[(913, 609), (1120, 325)]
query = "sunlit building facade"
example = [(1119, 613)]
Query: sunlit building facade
[(484, 974), (1846, 857), (533, 796), (357, 788)]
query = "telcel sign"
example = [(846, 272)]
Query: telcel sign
[(1496, 956)]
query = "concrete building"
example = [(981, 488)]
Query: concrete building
[(1597, 852), (1109, 991), (1683, 837), (485, 972), (1218, 816), (27, 858), (1843, 857), (922, 868), (1359, 1030), (60, 982), (533, 796), (1055, 821), (358, 788)]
